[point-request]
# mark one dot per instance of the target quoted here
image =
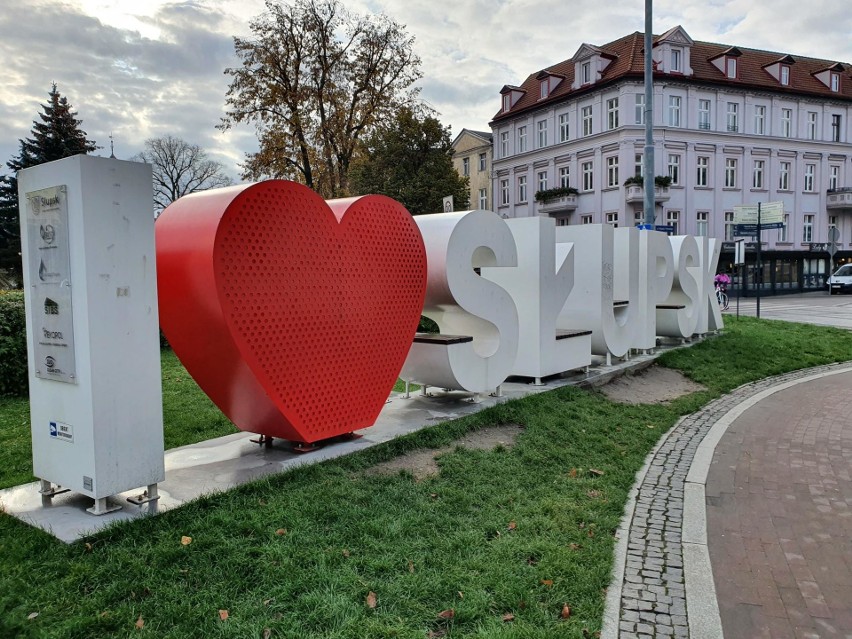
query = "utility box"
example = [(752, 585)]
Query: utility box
[(90, 280)]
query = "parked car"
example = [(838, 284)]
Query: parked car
[(841, 281)]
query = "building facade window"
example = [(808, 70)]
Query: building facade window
[(586, 72), (676, 64), (564, 176), (522, 188), (639, 165), (483, 199), (587, 120), (585, 219), (482, 162), (731, 67), (544, 90), (704, 115), (730, 173), (672, 219), (733, 117), (563, 127), (702, 166), (833, 224), (784, 176), (833, 177), (808, 182), (542, 180), (785, 230), (588, 176), (612, 171), (504, 192), (522, 139), (639, 115), (808, 229), (507, 102), (812, 125), (759, 119), (542, 134), (785, 75), (504, 144), (835, 127), (674, 110), (835, 82), (612, 218), (466, 167), (757, 174), (786, 123), (612, 114), (638, 218), (674, 169), (701, 219), (729, 226)]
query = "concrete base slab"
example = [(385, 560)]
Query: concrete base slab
[(223, 463)]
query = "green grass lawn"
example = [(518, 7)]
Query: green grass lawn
[(333, 551)]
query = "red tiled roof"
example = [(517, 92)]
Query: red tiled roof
[(628, 61)]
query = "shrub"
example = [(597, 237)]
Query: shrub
[(427, 325), (552, 194), (659, 180), (13, 344)]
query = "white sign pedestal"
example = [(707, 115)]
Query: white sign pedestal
[(90, 280)]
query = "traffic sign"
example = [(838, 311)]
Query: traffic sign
[(665, 228)]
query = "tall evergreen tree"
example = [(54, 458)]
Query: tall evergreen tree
[(56, 134)]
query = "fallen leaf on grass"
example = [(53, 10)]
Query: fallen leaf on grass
[(566, 611), (594, 494), (185, 541), (574, 546), (461, 594), (573, 473), (447, 614), (281, 531), (140, 623), (512, 525), (508, 617), (32, 616), (345, 553), (371, 600), (88, 547), (596, 472), (547, 582), (223, 614), (105, 614), (410, 566), (267, 633), (266, 602), (436, 634)]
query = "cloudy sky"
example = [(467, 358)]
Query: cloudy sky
[(147, 68)]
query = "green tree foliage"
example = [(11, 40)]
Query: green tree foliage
[(180, 168), (314, 80), (410, 159), (56, 134)]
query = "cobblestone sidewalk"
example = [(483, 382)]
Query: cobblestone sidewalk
[(648, 592)]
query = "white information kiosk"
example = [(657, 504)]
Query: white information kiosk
[(90, 280)]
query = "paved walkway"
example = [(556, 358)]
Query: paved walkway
[(740, 523)]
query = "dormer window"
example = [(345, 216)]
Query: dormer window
[(785, 75), (835, 82), (731, 67), (507, 103), (586, 72), (676, 61), (545, 90)]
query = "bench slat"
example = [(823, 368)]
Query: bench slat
[(437, 338)]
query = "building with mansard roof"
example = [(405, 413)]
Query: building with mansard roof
[(732, 126)]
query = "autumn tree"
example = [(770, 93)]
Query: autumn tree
[(56, 134), (180, 168), (314, 80), (410, 159)]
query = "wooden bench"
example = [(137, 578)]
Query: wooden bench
[(445, 343), (564, 333)]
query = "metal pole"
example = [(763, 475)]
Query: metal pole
[(648, 159), (759, 263)]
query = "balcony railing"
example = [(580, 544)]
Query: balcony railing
[(635, 194), (558, 205), (839, 199), (704, 125)]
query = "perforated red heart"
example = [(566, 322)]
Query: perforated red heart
[(294, 315)]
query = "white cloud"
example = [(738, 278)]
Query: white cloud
[(143, 69)]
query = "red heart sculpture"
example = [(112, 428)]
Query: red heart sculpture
[(294, 315)]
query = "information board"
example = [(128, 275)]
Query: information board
[(770, 212), (49, 266)]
